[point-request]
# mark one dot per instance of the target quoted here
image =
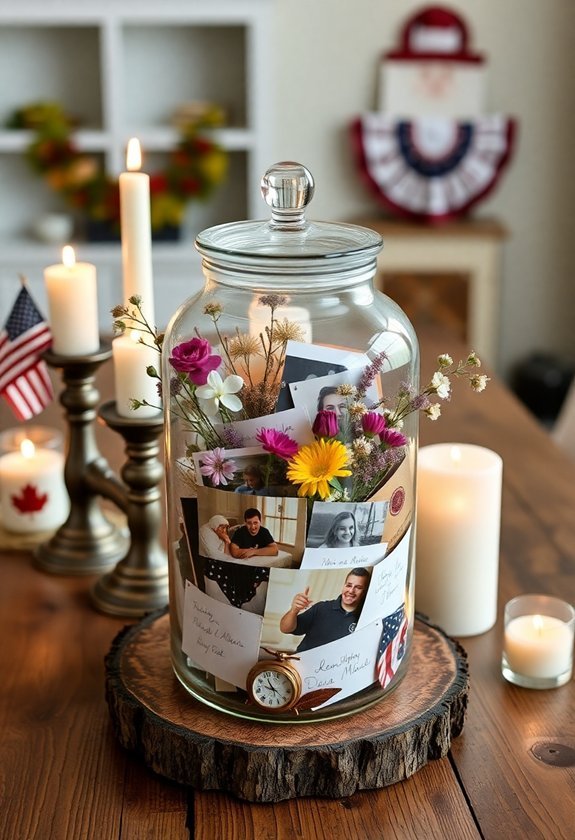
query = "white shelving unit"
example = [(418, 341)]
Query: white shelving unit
[(123, 67)]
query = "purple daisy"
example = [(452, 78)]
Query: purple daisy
[(215, 467)]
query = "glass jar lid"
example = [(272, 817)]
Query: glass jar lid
[(288, 240)]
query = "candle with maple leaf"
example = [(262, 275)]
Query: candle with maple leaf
[(33, 495)]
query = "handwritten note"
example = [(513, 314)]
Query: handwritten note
[(387, 587), (347, 664), (219, 638), (340, 558)]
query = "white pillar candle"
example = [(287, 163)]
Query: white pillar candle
[(538, 646), (457, 548), (73, 305), (131, 360), (33, 495), (136, 232)]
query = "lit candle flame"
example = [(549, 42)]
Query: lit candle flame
[(68, 256), (455, 454), (134, 155), (135, 336), (538, 623), (27, 448)]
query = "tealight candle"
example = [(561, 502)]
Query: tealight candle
[(33, 495), (73, 305), (136, 231), (457, 548), (131, 360), (538, 641)]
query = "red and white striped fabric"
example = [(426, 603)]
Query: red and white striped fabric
[(392, 646), (24, 380)]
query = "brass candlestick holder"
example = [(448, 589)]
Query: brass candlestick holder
[(88, 543)]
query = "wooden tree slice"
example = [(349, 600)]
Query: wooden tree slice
[(188, 742)]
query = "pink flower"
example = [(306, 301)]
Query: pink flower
[(392, 437), (278, 443), (195, 358), (216, 468), (373, 423), (325, 424)]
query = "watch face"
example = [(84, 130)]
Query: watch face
[(274, 689)]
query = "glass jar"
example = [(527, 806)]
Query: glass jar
[(290, 472)]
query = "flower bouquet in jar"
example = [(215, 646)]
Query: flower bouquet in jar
[(292, 465)]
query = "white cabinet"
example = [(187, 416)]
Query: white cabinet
[(123, 68)]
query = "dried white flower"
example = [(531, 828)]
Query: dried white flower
[(473, 360), (362, 447), (433, 411), (444, 360), (441, 385), (479, 382)]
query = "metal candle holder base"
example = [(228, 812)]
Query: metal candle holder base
[(88, 543)]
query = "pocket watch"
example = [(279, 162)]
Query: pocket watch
[(274, 684)]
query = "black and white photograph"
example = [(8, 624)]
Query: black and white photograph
[(306, 361), (322, 394), (338, 525)]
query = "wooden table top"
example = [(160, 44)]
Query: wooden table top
[(64, 777)]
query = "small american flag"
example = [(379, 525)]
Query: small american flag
[(24, 380), (391, 646)]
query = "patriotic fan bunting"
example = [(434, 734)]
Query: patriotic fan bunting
[(432, 168)]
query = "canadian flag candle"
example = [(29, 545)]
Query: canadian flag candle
[(33, 495)]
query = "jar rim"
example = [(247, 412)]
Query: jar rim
[(257, 243)]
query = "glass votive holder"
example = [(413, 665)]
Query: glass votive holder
[(538, 641), (43, 437), (33, 495)]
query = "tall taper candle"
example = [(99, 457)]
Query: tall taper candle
[(72, 305), (136, 231), (457, 547), (131, 360)]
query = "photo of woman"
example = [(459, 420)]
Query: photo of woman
[(358, 524), (342, 532)]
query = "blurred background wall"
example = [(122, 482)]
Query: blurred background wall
[(324, 72)]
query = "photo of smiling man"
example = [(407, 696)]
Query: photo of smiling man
[(326, 621)]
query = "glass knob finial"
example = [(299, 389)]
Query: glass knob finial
[(288, 187)]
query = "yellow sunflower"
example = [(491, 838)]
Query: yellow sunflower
[(315, 465)]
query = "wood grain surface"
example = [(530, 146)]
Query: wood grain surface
[(191, 743)]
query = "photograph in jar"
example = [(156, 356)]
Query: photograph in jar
[(310, 361), (324, 394), (346, 524), (247, 470), (310, 608), (235, 539), (293, 422)]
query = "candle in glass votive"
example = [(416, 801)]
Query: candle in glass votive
[(73, 305), (538, 641), (33, 495), (457, 547), (131, 359), (136, 230)]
